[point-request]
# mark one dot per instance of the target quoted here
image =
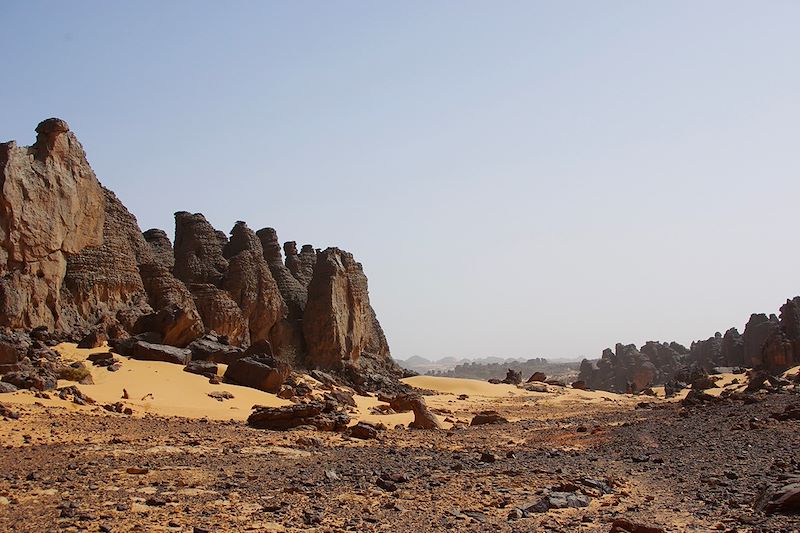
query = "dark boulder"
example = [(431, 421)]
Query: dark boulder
[(209, 348), (147, 351), (488, 417), (204, 368), (322, 416), (262, 373)]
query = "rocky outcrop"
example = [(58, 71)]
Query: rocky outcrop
[(249, 282), (756, 332), (322, 416), (123, 278), (74, 261), (339, 323), (220, 313), (294, 292), (161, 246), (104, 280), (626, 369), (300, 265), (51, 207), (198, 250), (708, 352)]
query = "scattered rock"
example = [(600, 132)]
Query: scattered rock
[(324, 417), (221, 395), (364, 431), (488, 417), (202, 367)]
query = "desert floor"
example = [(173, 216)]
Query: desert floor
[(187, 462)]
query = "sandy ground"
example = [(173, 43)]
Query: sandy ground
[(164, 389), (156, 388)]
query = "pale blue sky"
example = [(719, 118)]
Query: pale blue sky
[(518, 178)]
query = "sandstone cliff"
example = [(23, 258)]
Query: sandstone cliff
[(73, 259)]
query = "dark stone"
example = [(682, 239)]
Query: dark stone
[(147, 351), (262, 373), (487, 417)]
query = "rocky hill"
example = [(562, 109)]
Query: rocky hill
[(74, 262)]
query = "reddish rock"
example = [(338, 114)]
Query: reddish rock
[(339, 323), (423, 417), (52, 207), (300, 265), (161, 247), (537, 376), (220, 313), (250, 283)]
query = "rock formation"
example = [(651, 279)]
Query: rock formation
[(300, 265), (339, 323), (756, 332), (74, 261), (51, 207), (626, 369)]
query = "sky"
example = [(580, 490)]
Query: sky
[(519, 179)]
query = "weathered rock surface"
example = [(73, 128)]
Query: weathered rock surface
[(74, 261), (258, 372), (161, 246), (160, 352), (51, 207), (339, 323), (122, 279), (423, 417), (300, 265), (322, 416), (250, 283)]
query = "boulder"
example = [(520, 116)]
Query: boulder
[(13, 348), (364, 431), (94, 339), (209, 348), (487, 417), (148, 351), (204, 368), (423, 417), (513, 377), (262, 373), (7, 387), (537, 376), (322, 416)]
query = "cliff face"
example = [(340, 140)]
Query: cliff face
[(339, 324), (51, 207), (73, 259)]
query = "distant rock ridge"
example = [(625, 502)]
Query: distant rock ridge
[(769, 343), (74, 260)]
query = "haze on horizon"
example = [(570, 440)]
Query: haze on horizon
[(519, 179)]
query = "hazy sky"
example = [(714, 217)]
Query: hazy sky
[(518, 178)]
